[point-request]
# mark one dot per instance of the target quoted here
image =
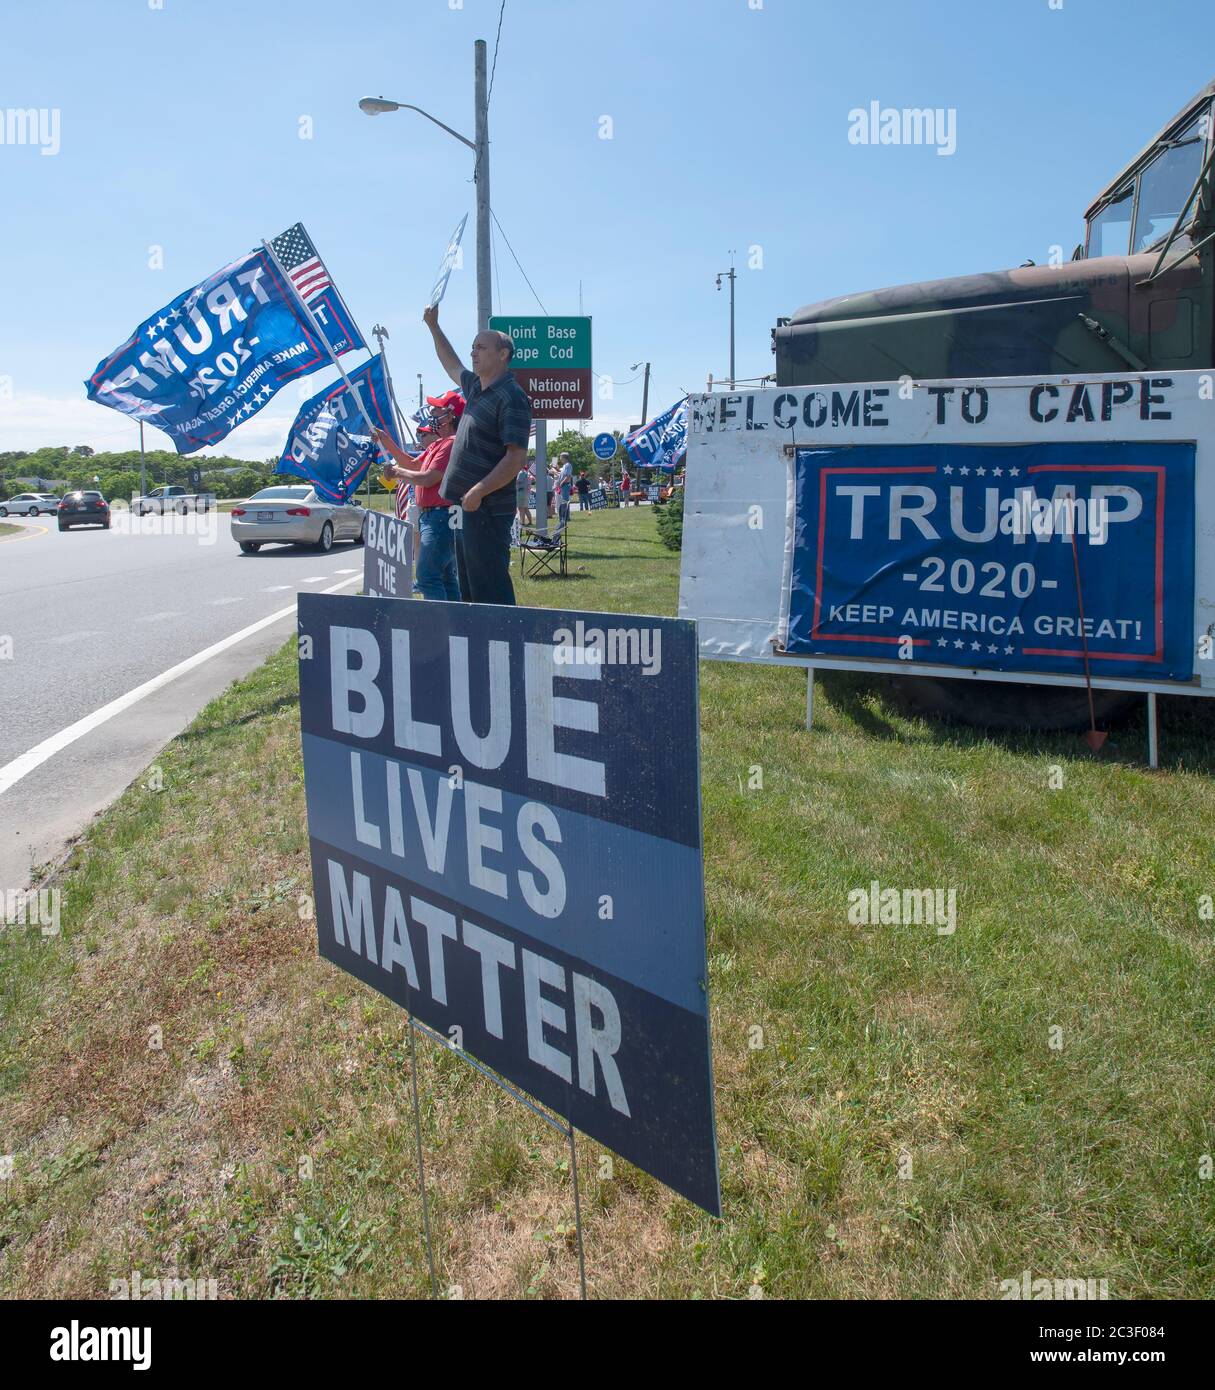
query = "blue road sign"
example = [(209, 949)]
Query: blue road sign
[(604, 446), (500, 845)]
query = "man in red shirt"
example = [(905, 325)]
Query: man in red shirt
[(437, 576)]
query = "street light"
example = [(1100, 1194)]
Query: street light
[(376, 106), (730, 275)]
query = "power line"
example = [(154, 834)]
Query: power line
[(511, 249), (494, 67)]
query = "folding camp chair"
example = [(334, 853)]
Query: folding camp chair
[(540, 555)]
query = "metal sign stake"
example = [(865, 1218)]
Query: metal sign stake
[(577, 1213), (417, 1131), (565, 1128)]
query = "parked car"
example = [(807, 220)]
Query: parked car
[(85, 508), (172, 499), (295, 516), (30, 504)]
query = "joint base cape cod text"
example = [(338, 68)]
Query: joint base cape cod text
[(501, 845)]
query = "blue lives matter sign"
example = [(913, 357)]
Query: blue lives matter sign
[(502, 846), (967, 555)]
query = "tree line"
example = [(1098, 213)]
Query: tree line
[(117, 474)]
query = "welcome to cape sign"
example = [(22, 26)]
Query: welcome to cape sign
[(975, 529), (500, 845)]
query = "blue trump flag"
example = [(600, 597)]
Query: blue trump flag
[(214, 355), (330, 443), (661, 443)]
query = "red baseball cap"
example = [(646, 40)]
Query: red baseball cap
[(451, 400)]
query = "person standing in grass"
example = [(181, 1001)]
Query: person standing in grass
[(489, 450), (437, 575)]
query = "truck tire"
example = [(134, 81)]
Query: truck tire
[(1005, 705), (182, 509)]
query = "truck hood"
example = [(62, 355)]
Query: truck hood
[(1018, 322)]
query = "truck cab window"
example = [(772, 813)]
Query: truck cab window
[(1165, 185), (1109, 232)]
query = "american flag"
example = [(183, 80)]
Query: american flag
[(299, 259)]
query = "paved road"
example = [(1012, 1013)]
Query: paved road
[(89, 616)]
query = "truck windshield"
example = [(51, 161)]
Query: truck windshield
[(1165, 185), (1109, 232)]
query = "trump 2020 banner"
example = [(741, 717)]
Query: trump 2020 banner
[(218, 352), (330, 442), (501, 845), (661, 443), (985, 556)]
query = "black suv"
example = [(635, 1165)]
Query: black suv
[(83, 509)]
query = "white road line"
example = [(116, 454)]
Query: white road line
[(348, 571), (277, 589), (314, 579), (219, 602), (158, 617), (13, 772), (74, 636)]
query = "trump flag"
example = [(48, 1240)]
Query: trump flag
[(661, 443), (330, 443), (214, 355)]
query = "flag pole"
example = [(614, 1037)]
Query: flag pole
[(316, 327), (319, 331), (379, 333)]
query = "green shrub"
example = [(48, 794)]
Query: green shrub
[(670, 521)]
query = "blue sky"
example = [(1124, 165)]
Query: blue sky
[(180, 128)]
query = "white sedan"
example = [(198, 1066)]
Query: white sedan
[(30, 504), (295, 516)]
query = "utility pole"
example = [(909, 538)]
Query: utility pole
[(730, 275), (481, 172), (645, 392)]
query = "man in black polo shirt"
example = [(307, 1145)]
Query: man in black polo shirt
[(490, 449)]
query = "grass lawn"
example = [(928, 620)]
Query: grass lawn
[(185, 1087), (8, 529)]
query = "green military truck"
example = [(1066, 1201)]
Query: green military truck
[(1138, 293)]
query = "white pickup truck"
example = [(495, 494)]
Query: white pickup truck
[(172, 499)]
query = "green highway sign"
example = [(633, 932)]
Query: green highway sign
[(546, 342), (552, 363)]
